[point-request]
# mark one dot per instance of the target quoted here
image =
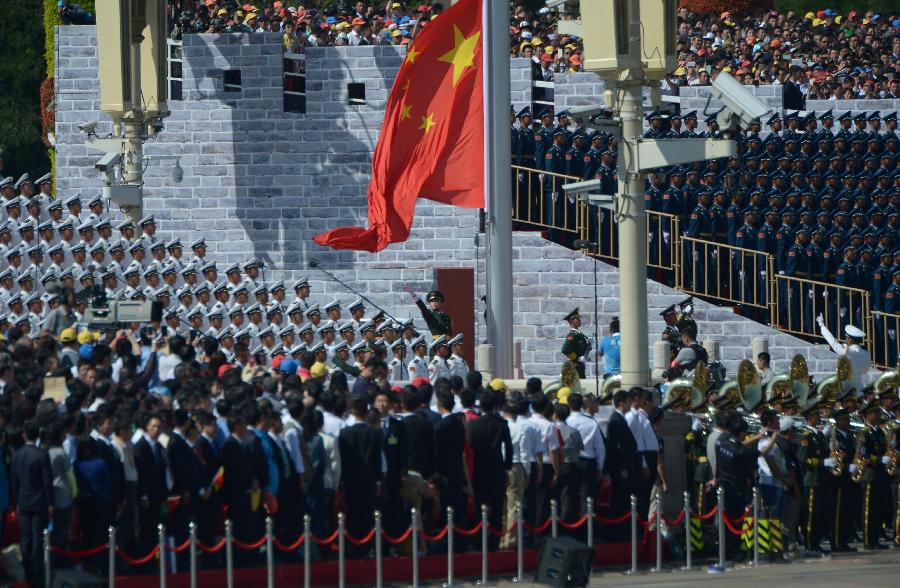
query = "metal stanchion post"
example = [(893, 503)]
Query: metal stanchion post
[(756, 525), (658, 529), (192, 531), (270, 554), (46, 558), (484, 544), (229, 555), (554, 518), (719, 567), (342, 556), (590, 528), (307, 550), (520, 544), (111, 540), (378, 555), (688, 552), (414, 539), (634, 536), (449, 583), (162, 555)]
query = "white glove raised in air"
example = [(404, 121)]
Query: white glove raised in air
[(828, 462), (820, 319)]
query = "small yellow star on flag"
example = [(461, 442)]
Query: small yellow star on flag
[(427, 123), (405, 111)]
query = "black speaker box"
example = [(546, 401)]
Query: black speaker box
[(564, 562), (72, 578)]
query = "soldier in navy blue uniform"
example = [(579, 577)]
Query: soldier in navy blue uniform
[(699, 227), (796, 266), (827, 122), (690, 125), (846, 123), (743, 270), (846, 276), (575, 155), (527, 143), (674, 131), (712, 131), (592, 156), (891, 305), (554, 162), (543, 137), (563, 122), (765, 243), (654, 132)]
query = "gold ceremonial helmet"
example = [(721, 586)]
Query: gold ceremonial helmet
[(833, 387)]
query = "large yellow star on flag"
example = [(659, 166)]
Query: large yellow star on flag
[(405, 111), (427, 123), (463, 53)]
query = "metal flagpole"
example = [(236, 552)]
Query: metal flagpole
[(497, 185)]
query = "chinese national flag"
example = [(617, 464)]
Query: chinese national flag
[(432, 140)]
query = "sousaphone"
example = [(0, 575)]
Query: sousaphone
[(685, 393), (834, 386)]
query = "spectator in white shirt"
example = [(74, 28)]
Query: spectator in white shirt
[(550, 456), (591, 458)]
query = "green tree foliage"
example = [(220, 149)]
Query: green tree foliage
[(22, 69)]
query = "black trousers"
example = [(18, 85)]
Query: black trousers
[(587, 480), (840, 510), (542, 494), (360, 514), (813, 516), (876, 509), (31, 526), (619, 504), (491, 492), (567, 492)]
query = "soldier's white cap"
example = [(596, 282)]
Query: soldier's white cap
[(347, 326), (23, 179), (4, 182), (198, 243), (234, 267), (13, 202), (305, 328), (96, 199), (279, 285), (235, 310), (274, 308), (397, 344), (327, 326), (368, 325), (267, 332), (200, 289), (361, 346), (125, 224), (287, 330), (420, 340), (358, 303), (442, 340), (254, 308), (76, 199), (147, 220), (44, 179), (135, 246), (301, 283), (457, 340), (184, 291), (245, 332), (195, 312), (341, 346), (86, 225), (317, 347), (333, 305), (314, 309)]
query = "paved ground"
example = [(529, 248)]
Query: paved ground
[(868, 569)]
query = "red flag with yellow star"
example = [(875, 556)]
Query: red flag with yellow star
[(432, 140)]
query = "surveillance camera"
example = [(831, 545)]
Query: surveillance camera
[(740, 105), (155, 126), (108, 162), (88, 127), (177, 172)]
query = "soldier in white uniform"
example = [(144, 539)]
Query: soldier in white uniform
[(233, 277), (55, 210), (47, 233), (418, 365), (251, 270), (301, 290), (175, 250), (7, 284), (45, 190), (215, 317), (57, 257), (287, 335), (357, 312), (210, 274), (437, 367), (148, 231), (6, 238), (185, 298), (73, 205), (95, 206), (458, 365), (397, 369), (198, 247), (278, 292), (254, 318)]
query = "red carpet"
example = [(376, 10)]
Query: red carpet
[(396, 569)]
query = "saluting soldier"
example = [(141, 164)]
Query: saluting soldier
[(576, 345), (438, 321)]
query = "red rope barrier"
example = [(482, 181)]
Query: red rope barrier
[(80, 554), (434, 538), (326, 540), (731, 529), (615, 521), (396, 541), (469, 532), (180, 548), (574, 525), (706, 516), (292, 547), (252, 546), (368, 537), (213, 549), (140, 560), (676, 521), (540, 529), (741, 518), (501, 532)]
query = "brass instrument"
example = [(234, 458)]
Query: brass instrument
[(743, 390), (859, 460), (609, 387), (889, 379), (893, 455), (832, 387), (836, 454)]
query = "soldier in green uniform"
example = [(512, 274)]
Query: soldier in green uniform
[(812, 453), (670, 332), (438, 321), (876, 489), (576, 344)]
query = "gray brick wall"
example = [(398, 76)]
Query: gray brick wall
[(259, 181)]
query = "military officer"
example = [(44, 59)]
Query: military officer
[(576, 345), (397, 368), (418, 365), (458, 365), (670, 331), (438, 367), (812, 453), (438, 321), (876, 484)]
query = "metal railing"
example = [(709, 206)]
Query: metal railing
[(886, 347), (600, 225), (731, 274), (540, 202), (799, 301)]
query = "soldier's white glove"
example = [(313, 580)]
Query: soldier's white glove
[(541, 178), (649, 237), (666, 237), (885, 459), (853, 468), (825, 294), (714, 254), (843, 312), (762, 275), (554, 195), (694, 255), (811, 294), (828, 462), (780, 272), (820, 319), (892, 333), (521, 176), (572, 198), (741, 275)]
